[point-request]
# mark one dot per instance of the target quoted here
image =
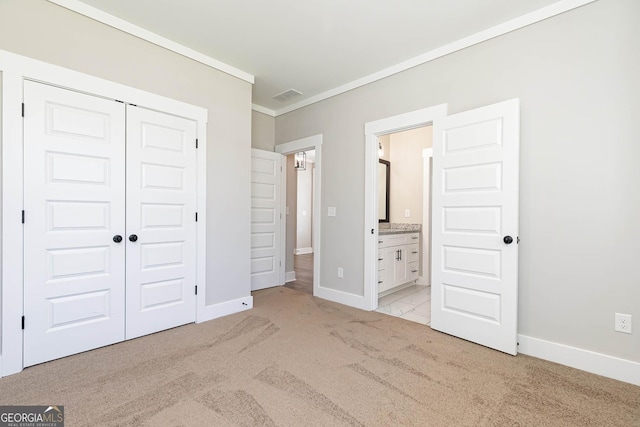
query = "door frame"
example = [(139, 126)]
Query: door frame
[(15, 69), (305, 144), (373, 130)]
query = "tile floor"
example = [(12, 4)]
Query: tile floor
[(412, 303)]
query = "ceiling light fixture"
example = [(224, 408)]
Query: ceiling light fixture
[(300, 161)]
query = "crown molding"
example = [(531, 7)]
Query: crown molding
[(490, 33), (134, 30), (263, 110)]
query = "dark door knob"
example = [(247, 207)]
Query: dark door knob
[(508, 240), (133, 238), (117, 238)]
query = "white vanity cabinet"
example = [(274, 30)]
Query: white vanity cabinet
[(398, 259)]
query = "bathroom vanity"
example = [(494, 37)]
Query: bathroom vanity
[(398, 256)]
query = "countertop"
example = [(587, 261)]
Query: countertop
[(397, 228)]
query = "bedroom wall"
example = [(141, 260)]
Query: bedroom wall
[(576, 76)]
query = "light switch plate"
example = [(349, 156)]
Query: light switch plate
[(407, 213), (331, 211)]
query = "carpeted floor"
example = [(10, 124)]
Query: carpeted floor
[(296, 360)]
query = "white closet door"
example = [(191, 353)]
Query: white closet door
[(266, 219), (161, 209), (74, 206)]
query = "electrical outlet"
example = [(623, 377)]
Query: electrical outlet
[(340, 272), (623, 323)]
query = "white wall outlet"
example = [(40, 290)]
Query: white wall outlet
[(407, 213), (340, 272), (331, 211), (623, 323)]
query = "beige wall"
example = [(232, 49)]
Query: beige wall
[(45, 31), (407, 164), (576, 76), (263, 131)]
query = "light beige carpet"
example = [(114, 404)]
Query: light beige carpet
[(295, 360)]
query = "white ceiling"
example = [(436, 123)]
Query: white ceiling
[(314, 46)]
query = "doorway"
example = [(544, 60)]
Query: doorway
[(299, 218), (373, 131), (406, 155), (302, 273)]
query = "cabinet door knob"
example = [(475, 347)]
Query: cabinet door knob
[(508, 240), (133, 238), (117, 238)]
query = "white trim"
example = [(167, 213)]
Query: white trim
[(585, 360), (263, 110), (341, 297), (290, 277), (134, 30), (302, 251), (400, 122), (310, 143), (12, 243), (425, 278), (15, 69), (226, 308), (201, 224), (479, 37)]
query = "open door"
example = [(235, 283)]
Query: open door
[(266, 220), (474, 292)]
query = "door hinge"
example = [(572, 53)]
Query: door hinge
[(196, 289), (23, 216), (23, 109), (196, 142), (196, 216), (22, 322)]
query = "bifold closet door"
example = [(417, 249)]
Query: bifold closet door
[(109, 232), (74, 272), (161, 222)]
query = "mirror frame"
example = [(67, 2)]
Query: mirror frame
[(385, 218)]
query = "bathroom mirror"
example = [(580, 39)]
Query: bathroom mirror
[(384, 173)]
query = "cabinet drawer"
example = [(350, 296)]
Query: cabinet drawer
[(387, 240), (413, 270), (380, 261), (413, 253)]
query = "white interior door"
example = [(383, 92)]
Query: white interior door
[(475, 214), (74, 274), (266, 219), (161, 221)]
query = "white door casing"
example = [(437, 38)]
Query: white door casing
[(74, 273), (266, 220), (474, 288), (161, 214)]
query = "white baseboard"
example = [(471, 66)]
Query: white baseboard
[(302, 251), (341, 297), (290, 276), (596, 363), (225, 308)]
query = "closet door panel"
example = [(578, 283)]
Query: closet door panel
[(161, 206), (74, 206)]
